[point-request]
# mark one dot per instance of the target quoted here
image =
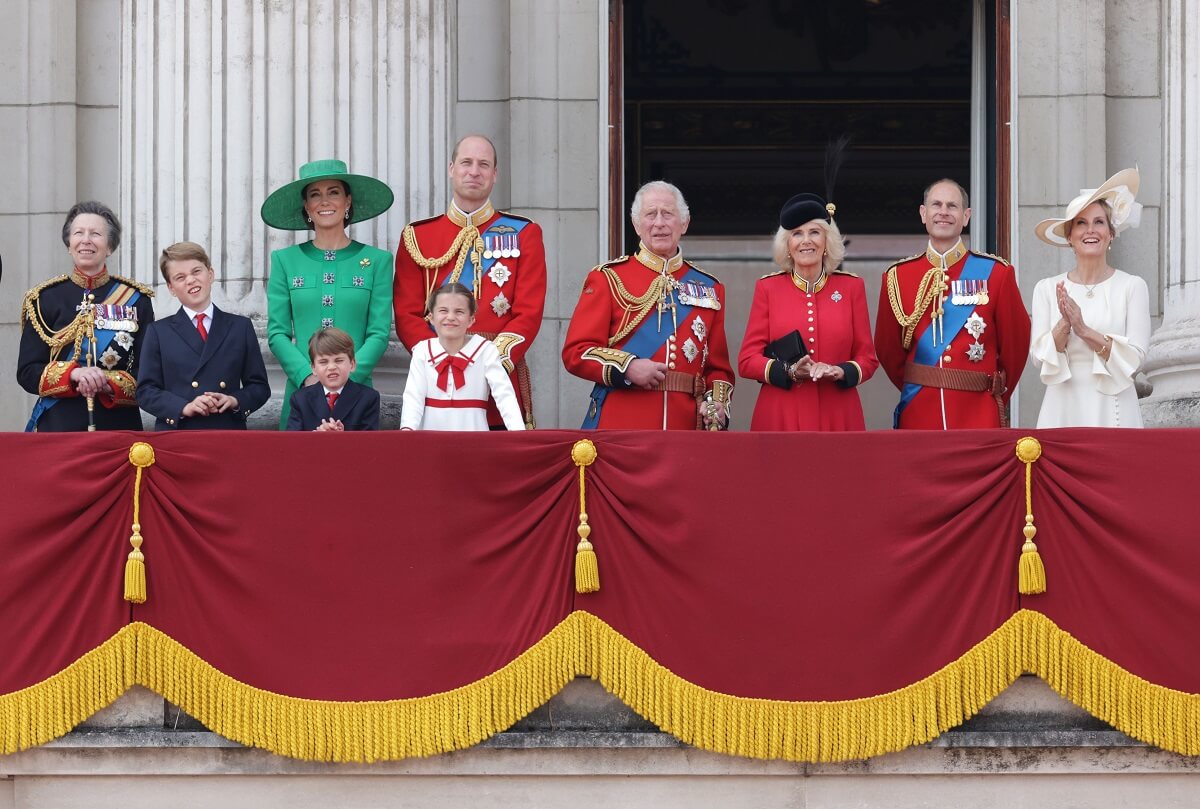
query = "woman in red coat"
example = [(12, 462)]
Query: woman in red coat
[(808, 340)]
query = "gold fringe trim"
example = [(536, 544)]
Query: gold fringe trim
[(326, 730), (582, 644), (1151, 713), (53, 707)]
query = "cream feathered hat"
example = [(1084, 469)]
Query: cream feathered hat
[(1119, 190)]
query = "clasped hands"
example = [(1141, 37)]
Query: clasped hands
[(805, 368), (208, 403), (89, 381)]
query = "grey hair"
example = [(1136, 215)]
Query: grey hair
[(635, 210), (99, 209), (835, 247)]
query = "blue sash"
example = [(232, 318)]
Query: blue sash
[(103, 338), (954, 317), (643, 343)]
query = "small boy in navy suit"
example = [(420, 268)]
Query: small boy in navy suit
[(335, 402), (201, 368)]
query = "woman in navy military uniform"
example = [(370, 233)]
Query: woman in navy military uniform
[(81, 333)]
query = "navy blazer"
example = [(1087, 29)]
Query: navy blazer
[(357, 408), (176, 366)]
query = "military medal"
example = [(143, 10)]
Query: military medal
[(516, 246), (110, 359), (975, 325), (505, 250), (499, 273), (487, 247), (983, 293), (975, 352)]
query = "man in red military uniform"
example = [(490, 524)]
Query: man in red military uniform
[(499, 255), (952, 332), (649, 330)]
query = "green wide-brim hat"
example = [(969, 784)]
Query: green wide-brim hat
[(284, 209)]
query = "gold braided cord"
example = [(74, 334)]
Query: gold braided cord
[(927, 291), (52, 707), (815, 731), (460, 248), (635, 307)]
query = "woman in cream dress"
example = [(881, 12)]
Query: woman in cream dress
[(1091, 325)]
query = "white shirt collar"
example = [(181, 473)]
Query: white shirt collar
[(208, 314)]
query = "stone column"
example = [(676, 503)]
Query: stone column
[(58, 109), (222, 101), (532, 75), (1173, 364)]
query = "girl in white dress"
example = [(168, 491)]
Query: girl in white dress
[(1091, 326), (452, 374)]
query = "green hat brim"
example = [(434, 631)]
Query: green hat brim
[(284, 208)]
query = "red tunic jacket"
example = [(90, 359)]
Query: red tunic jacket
[(694, 346), (511, 296), (1003, 342)]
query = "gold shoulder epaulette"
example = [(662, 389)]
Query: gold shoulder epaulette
[(904, 260), (705, 274), (846, 272), (609, 263), (1001, 259), (138, 285), (31, 296), (772, 274)]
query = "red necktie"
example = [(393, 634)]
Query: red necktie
[(332, 399), (200, 327), (455, 365)]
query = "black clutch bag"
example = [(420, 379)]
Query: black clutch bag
[(787, 349)]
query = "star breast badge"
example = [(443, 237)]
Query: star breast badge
[(975, 325), (975, 351), (500, 305)]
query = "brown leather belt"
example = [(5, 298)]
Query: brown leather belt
[(960, 379), (679, 382)]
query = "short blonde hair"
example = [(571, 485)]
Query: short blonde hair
[(835, 247)]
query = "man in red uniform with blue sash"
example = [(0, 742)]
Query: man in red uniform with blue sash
[(952, 332), (649, 330), (499, 256)]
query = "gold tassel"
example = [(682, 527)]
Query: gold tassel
[(141, 455), (1031, 578), (587, 568)]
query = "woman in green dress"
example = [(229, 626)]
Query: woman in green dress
[(330, 280)]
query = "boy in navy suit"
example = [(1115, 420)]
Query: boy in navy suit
[(335, 402), (201, 368)]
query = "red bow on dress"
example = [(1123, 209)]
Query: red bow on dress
[(455, 364)]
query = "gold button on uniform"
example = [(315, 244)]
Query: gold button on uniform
[(222, 384), (810, 328), (671, 365), (195, 384), (947, 358)]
